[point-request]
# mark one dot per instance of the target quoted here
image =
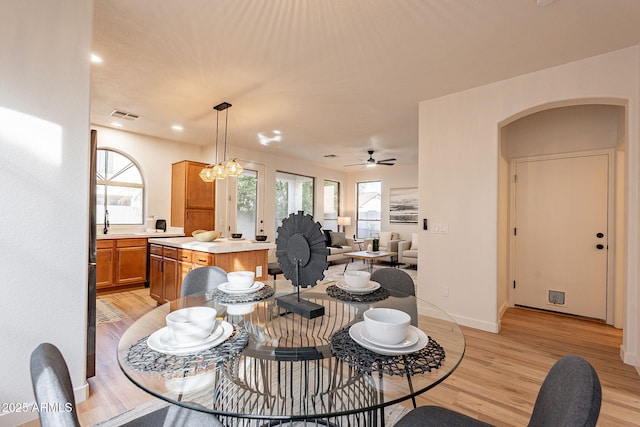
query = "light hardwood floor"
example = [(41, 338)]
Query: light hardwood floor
[(497, 381)]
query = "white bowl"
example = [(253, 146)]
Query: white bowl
[(386, 326), (191, 325), (240, 279), (357, 279)]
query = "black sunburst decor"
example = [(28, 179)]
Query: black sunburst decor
[(301, 250)]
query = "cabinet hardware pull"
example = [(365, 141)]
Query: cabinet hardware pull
[(201, 260)]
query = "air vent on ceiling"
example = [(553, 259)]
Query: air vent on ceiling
[(119, 114)]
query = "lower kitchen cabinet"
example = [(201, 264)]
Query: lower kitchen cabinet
[(121, 262)]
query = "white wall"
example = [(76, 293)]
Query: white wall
[(44, 178), (459, 179), (398, 176)]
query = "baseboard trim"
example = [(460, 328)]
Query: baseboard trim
[(493, 327)]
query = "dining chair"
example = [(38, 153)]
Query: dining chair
[(202, 279), (394, 279), (52, 388), (570, 396)]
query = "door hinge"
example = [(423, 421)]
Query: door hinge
[(515, 231), (515, 178), (514, 284)]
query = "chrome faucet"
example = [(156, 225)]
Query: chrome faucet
[(106, 221)]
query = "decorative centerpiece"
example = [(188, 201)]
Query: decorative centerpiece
[(302, 255)]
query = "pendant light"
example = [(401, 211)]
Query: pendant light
[(212, 172), (231, 167)]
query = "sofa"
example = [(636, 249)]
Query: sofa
[(338, 245), (389, 241), (408, 251)]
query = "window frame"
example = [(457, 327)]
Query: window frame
[(368, 220), (278, 222), (325, 219), (121, 184)]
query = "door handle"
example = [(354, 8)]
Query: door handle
[(599, 246)]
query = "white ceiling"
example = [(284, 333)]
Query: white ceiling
[(333, 76)]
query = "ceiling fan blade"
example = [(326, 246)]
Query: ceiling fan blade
[(385, 164), (386, 160), (356, 164)]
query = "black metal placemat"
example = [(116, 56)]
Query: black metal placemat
[(141, 358), (263, 293), (367, 361), (377, 295)]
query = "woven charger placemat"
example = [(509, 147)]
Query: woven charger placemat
[(367, 361), (377, 295), (141, 358), (263, 293)]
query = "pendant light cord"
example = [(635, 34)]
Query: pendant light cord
[(226, 126)]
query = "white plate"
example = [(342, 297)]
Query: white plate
[(355, 332), (224, 287), (372, 286), (410, 339), (159, 340)]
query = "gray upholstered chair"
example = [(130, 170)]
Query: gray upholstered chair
[(394, 279), (202, 279), (52, 386), (570, 396)]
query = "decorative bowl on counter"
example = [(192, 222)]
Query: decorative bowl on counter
[(260, 238), (206, 236)]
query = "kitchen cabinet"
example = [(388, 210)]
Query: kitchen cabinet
[(192, 199), (170, 263), (120, 263)]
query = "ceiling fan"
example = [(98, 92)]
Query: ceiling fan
[(372, 162)]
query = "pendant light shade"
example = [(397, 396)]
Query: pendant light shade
[(219, 172), (206, 174), (233, 168)]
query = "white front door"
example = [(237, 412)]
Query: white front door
[(560, 242)]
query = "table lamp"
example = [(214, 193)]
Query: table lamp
[(344, 221)]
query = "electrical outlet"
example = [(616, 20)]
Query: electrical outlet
[(259, 271), (445, 291)]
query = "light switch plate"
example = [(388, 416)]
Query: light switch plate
[(439, 228)]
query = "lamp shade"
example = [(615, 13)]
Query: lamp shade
[(206, 174), (344, 220), (233, 168)]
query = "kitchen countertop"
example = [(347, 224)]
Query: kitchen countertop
[(218, 246), (144, 235)]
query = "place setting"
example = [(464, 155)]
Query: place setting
[(240, 287), (385, 340), (190, 333), (357, 286)]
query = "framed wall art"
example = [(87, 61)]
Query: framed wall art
[(403, 205)]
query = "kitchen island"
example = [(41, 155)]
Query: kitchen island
[(171, 259)]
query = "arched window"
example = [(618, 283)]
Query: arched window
[(119, 189)]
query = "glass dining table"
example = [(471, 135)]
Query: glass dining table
[(275, 366)]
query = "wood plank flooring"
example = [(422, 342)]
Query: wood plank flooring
[(497, 381)]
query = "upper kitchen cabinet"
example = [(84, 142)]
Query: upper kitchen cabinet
[(192, 199)]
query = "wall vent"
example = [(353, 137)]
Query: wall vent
[(119, 114), (556, 297)]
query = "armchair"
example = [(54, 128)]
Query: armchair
[(408, 251)]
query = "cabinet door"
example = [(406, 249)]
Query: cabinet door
[(183, 269), (131, 265), (198, 220), (169, 279), (199, 194), (104, 268), (155, 278)]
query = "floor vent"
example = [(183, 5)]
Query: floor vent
[(556, 297), (119, 114)]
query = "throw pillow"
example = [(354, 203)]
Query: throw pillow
[(385, 237), (327, 238), (414, 241), (338, 239)]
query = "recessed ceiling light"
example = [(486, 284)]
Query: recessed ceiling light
[(118, 125), (177, 128), (95, 59)]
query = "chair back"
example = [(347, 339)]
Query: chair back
[(570, 395), (202, 279), (394, 279), (52, 387)]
